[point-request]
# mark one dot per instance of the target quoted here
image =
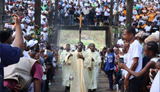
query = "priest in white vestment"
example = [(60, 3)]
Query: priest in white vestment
[(77, 70), (66, 67), (95, 59)]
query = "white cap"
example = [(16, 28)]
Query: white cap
[(32, 43)]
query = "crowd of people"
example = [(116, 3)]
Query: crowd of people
[(145, 13), (29, 65), (33, 64), (135, 62)]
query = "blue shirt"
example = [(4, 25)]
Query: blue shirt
[(111, 59), (8, 55), (50, 57)]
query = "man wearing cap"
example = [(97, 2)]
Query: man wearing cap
[(7, 51)]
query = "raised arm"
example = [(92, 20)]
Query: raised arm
[(18, 37)]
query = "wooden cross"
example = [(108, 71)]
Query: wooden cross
[(80, 20), (80, 25)]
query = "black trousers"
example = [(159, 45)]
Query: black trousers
[(92, 20), (134, 85), (110, 78)]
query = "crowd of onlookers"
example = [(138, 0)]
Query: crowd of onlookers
[(146, 14), (133, 53), (30, 65), (38, 70)]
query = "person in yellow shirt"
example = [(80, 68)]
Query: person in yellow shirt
[(125, 12), (151, 16)]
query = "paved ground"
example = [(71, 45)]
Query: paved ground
[(57, 85)]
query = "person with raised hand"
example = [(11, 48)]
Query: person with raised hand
[(6, 50)]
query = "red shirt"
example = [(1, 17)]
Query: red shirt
[(37, 73)]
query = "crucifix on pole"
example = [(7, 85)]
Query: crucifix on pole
[(80, 25)]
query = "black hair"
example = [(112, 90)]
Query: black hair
[(153, 46), (48, 46), (111, 50), (24, 30), (80, 42), (104, 48), (140, 17), (61, 48), (4, 35), (130, 29), (67, 44), (33, 54)]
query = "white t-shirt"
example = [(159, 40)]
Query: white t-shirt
[(22, 26), (147, 28), (45, 36), (9, 26), (43, 22), (28, 30), (122, 18), (156, 83), (27, 19), (31, 27), (122, 24), (25, 1), (98, 10), (135, 50), (30, 13), (106, 12)]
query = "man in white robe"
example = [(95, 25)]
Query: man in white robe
[(77, 70), (95, 59), (66, 67)]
